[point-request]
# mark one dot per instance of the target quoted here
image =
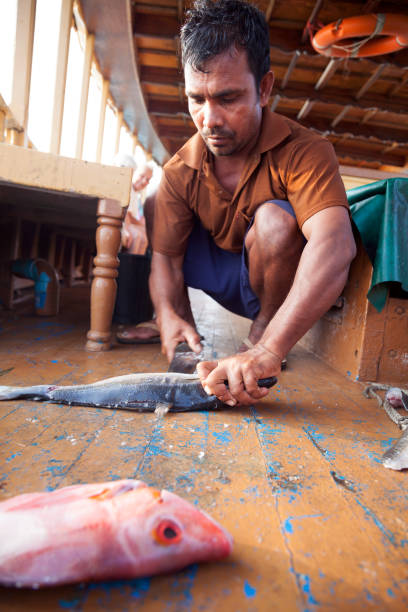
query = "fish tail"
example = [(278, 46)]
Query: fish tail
[(35, 392)]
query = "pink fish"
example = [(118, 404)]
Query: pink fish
[(119, 529)]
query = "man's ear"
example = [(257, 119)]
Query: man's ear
[(265, 88)]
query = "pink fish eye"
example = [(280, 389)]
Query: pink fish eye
[(167, 532)]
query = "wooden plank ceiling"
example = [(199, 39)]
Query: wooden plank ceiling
[(360, 105)]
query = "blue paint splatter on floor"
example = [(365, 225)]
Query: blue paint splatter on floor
[(306, 588), (69, 604), (222, 437), (369, 514), (249, 590)]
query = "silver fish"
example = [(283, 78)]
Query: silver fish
[(396, 457), (142, 392)]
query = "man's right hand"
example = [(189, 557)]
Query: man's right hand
[(173, 330)]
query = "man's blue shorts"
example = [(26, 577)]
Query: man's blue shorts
[(222, 275)]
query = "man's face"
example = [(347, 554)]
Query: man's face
[(224, 102)]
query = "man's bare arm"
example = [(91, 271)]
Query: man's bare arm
[(319, 280), (172, 305)]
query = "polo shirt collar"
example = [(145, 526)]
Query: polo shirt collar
[(274, 130)]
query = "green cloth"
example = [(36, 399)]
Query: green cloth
[(380, 212)]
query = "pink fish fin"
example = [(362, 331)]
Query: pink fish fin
[(69, 494), (116, 488)]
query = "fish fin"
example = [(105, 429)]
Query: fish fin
[(124, 486), (3, 372), (162, 409)]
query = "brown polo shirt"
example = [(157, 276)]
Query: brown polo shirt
[(289, 162)]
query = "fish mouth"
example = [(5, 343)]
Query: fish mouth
[(221, 539)]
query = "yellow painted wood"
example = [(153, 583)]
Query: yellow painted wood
[(47, 171), (60, 80), (22, 61), (318, 522), (354, 176), (102, 114), (86, 74), (119, 123), (164, 60)]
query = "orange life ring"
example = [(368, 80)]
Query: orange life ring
[(380, 34)]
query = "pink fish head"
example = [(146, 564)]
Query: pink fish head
[(162, 532), (119, 529)]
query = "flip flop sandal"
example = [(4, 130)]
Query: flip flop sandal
[(123, 337)]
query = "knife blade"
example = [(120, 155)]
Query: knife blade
[(184, 360)]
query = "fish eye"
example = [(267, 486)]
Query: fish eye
[(167, 532)]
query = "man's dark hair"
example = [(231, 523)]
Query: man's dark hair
[(214, 27)]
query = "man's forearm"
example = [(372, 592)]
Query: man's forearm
[(166, 283), (320, 278)]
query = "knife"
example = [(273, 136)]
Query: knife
[(184, 360)]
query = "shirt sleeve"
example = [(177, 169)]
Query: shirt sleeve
[(173, 217), (313, 179)]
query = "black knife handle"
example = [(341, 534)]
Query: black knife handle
[(262, 382)]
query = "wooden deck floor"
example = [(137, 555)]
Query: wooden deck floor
[(318, 522)]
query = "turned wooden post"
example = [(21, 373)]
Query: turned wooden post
[(103, 289)]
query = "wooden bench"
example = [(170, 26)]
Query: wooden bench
[(82, 197), (357, 340)]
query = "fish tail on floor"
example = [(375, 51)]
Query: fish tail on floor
[(37, 392)]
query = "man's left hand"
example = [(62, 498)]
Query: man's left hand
[(242, 372)]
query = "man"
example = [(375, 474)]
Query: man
[(252, 209)]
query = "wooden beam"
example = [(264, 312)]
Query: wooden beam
[(305, 110), (40, 170), (60, 80), (370, 6), (340, 116), (367, 155), (102, 115), (383, 135), (86, 73), (336, 95), (23, 56), (2, 124), (283, 36), (275, 102), (172, 108), (373, 78), (119, 124), (294, 90), (313, 15), (175, 132), (327, 73), (372, 175), (399, 85), (391, 147), (169, 107), (289, 71), (162, 59), (180, 10), (3, 115), (369, 114), (269, 9)]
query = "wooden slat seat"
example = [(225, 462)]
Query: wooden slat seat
[(72, 194)]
